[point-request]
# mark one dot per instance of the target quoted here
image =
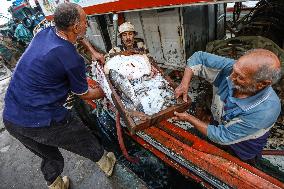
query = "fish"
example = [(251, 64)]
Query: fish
[(123, 85), (145, 93)]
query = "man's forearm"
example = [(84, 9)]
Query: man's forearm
[(198, 124), (188, 73), (87, 45), (92, 94)]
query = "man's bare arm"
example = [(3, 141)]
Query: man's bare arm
[(95, 55), (92, 94), (198, 124), (182, 89)]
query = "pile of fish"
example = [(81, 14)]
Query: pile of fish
[(138, 88)]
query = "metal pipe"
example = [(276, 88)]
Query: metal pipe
[(115, 27), (273, 152)]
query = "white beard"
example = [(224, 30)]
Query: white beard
[(247, 89)]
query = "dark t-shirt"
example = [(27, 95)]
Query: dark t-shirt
[(48, 70)]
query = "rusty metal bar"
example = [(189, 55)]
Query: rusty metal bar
[(273, 152), (218, 163)]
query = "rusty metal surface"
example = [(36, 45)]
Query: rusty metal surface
[(205, 160), (201, 25), (164, 157)]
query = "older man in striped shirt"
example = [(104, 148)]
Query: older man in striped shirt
[(244, 103)]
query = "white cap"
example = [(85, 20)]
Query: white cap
[(126, 26)]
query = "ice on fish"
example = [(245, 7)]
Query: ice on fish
[(133, 66), (152, 102), (149, 95), (138, 90)]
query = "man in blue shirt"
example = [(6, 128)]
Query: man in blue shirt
[(48, 70), (244, 103)]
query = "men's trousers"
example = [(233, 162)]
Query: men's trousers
[(69, 134)]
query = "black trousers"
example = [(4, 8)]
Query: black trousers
[(70, 134), (252, 161)]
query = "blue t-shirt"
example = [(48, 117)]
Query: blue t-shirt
[(48, 70)]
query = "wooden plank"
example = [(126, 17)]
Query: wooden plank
[(120, 107)]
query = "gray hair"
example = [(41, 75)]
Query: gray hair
[(267, 72), (66, 15)]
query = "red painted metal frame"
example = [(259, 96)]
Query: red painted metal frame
[(208, 157), (205, 147), (170, 162), (130, 5)]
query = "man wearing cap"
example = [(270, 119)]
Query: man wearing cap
[(127, 34)]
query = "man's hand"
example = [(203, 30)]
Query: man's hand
[(95, 54), (182, 89), (92, 94), (199, 125), (181, 116), (99, 57)]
